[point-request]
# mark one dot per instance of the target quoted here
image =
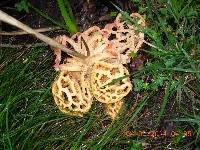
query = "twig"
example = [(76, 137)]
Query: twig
[(25, 45), (152, 45), (0, 31), (8, 19), (23, 32)]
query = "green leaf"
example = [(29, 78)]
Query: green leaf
[(140, 84), (169, 62), (179, 136), (132, 54), (157, 82), (22, 5), (163, 11), (154, 35), (115, 81), (165, 100), (135, 146), (113, 13), (70, 24), (136, 1)]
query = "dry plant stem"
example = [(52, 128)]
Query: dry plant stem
[(23, 32), (152, 45), (26, 45), (10, 20)]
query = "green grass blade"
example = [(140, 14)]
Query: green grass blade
[(70, 11), (165, 100), (71, 25), (87, 127), (116, 80), (47, 17), (118, 125), (7, 128)]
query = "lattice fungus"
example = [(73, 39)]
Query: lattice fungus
[(104, 73), (71, 93), (113, 109), (80, 81), (125, 36)]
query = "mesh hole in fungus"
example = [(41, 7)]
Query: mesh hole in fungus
[(114, 71), (123, 41), (62, 106), (56, 88), (102, 97), (73, 106), (101, 92), (97, 75), (57, 100), (125, 73), (114, 29), (66, 102), (76, 39), (75, 99), (64, 84), (64, 95), (125, 26), (126, 88), (70, 90), (86, 76), (119, 91), (82, 106), (85, 101), (119, 83), (114, 97), (65, 74), (112, 37), (70, 46), (112, 105), (124, 33), (102, 67), (96, 83), (104, 78), (125, 51), (136, 42), (86, 92), (112, 90)]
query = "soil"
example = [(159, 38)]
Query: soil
[(87, 14)]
